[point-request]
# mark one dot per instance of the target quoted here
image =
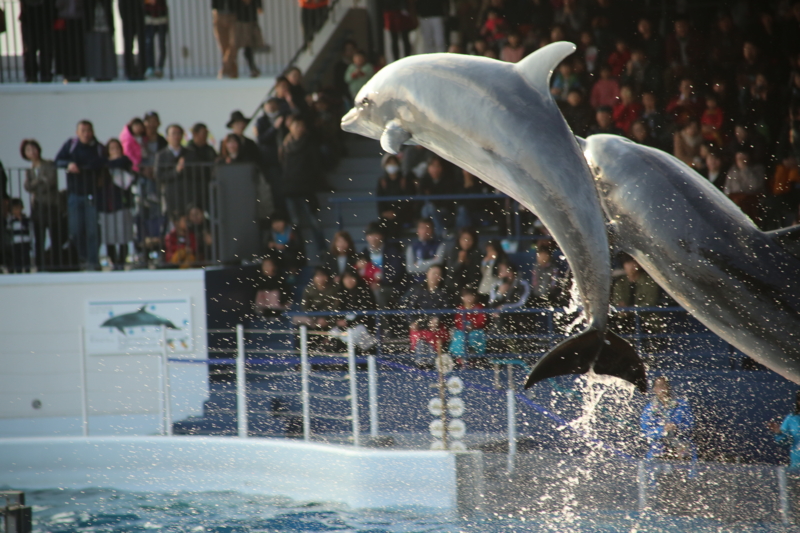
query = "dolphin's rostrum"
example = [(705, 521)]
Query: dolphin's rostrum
[(498, 121), (137, 319)]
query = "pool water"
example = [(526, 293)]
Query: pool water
[(112, 511)]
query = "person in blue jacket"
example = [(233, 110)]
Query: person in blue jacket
[(667, 424), (788, 433)]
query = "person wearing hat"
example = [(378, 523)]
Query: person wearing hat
[(237, 124)]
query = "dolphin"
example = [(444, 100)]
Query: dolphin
[(137, 319), (498, 121), (740, 282)]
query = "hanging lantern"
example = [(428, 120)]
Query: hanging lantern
[(454, 385), (435, 406), (455, 407), (456, 428)]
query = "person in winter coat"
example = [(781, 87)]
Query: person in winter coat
[(788, 433), (319, 295), (464, 263), (667, 424), (354, 295), (394, 183), (41, 181), (468, 336), (301, 173), (132, 139), (115, 202), (341, 256), (272, 292), (156, 25)]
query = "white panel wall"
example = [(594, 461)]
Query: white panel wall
[(41, 316), (302, 471)]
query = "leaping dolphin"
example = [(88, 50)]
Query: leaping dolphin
[(741, 282), (137, 319), (498, 121)]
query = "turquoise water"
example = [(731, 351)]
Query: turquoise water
[(111, 511)]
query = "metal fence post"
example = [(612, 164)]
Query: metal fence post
[(512, 419), (167, 414), (641, 478), (304, 383), (351, 365), (372, 372), (84, 392), (241, 384), (783, 495)]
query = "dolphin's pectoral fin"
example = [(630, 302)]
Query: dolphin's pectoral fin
[(393, 137), (619, 359), (538, 66), (121, 330), (572, 356), (587, 351)]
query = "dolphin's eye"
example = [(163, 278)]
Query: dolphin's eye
[(365, 102)]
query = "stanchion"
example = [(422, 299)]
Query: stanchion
[(641, 477), (512, 419), (304, 383), (372, 372), (84, 392), (241, 384), (167, 413), (351, 365), (783, 496)]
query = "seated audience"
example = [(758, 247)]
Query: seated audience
[(180, 246), (341, 256), (394, 183), (494, 256), (321, 294), (437, 181), (468, 338), (744, 184), (382, 267), (427, 250), (283, 243), (686, 144), (549, 277), (272, 292), (464, 262)]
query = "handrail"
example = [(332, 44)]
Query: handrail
[(390, 312), (414, 197)]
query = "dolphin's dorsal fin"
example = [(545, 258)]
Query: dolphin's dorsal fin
[(788, 238), (393, 137), (538, 66), (143, 309)]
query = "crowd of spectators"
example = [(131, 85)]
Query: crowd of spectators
[(716, 86)]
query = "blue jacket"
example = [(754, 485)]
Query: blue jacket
[(90, 160), (790, 435), (655, 416)]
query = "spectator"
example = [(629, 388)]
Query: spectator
[(200, 155), (684, 50), (686, 105), (464, 262), (571, 16), (564, 81), (712, 121), (549, 277), (605, 122), (358, 73), (69, 40), (341, 256), (198, 226), (115, 203), (745, 140), (399, 22), (382, 267), (745, 183), (713, 171), (750, 66), (292, 97), (268, 131), (724, 45), (313, 14), (272, 292), (132, 139), (641, 74), (349, 48), (471, 213), (354, 295), (619, 58), (468, 337), (131, 13), (428, 334), (41, 182), (394, 183), (653, 118), (169, 171), (785, 189), (489, 277), (640, 133), (437, 181), (156, 22), (788, 433), (248, 147), (588, 50), (101, 60), (606, 90), (300, 155), (431, 15), (667, 424), (509, 292), (284, 245), (649, 42), (319, 295), (636, 289), (494, 30), (82, 156), (513, 51), (224, 20), (180, 246), (686, 144), (248, 32), (627, 110), (578, 115), (18, 227), (36, 22), (426, 251)]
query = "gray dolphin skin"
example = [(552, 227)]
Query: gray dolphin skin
[(498, 121), (137, 319), (740, 282)]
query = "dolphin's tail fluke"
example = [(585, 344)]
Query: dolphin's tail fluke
[(612, 356)]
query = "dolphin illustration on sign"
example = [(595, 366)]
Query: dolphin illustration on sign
[(498, 121), (138, 318), (740, 282)]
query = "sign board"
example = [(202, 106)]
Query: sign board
[(134, 326)]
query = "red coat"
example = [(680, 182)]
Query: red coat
[(475, 320), (173, 243), (625, 115)]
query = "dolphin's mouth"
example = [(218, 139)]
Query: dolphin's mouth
[(349, 121)]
